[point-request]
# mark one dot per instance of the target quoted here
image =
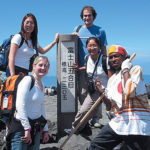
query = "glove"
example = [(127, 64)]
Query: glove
[(126, 64)]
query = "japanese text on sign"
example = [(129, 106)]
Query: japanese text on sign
[(67, 77)]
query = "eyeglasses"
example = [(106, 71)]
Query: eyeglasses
[(90, 46), (29, 22)]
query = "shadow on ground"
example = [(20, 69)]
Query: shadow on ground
[(49, 148)]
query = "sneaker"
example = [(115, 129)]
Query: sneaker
[(68, 131), (95, 123)]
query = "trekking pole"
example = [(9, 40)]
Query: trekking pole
[(133, 55), (97, 102)]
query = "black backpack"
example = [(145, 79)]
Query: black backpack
[(4, 52)]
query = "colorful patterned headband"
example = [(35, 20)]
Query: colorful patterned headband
[(116, 49)]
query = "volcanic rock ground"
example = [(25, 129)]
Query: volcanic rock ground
[(76, 142)]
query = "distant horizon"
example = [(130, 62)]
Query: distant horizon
[(56, 75), (125, 22), (52, 80)]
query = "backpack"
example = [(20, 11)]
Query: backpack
[(104, 62), (8, 91), (4, 52), (78, 28)]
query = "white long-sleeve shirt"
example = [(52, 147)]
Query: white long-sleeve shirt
[(29, 103), (129, 103)]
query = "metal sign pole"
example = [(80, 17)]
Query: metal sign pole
[(66, 81)]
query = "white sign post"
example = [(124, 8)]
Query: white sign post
[(66, 77)]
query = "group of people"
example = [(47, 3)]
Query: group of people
[(126, 98), (111, 74), (123, 87), (89, 29), (24, 130)]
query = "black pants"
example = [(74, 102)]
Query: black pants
[(107, 139), (17, 71)]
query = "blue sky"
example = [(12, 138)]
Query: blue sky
[(126, 23)]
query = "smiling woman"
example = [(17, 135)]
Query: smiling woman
[(31, 110), (40, 69), (23, 46), (93, 46), (94, 70)]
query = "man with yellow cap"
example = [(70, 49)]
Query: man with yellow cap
[(126, 98)]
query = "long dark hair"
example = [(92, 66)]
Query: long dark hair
[(35, 31)]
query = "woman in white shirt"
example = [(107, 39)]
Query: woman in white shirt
[(94, 64), (23, 45), (30, 104)]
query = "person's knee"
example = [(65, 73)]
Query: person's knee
[(93, 145)]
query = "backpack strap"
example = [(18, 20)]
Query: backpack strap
[(104, 63), (96, 64), (78, 28), (37, 53), (35, 48), (22, 40), (32, 82), (86, 59)]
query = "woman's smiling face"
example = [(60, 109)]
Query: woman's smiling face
[(93, 48), (41, 68), (29, 25)]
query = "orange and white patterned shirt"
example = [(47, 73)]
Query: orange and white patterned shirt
[(129, 104)]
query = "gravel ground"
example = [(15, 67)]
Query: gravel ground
[(76, 142)]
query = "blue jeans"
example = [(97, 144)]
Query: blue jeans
[(17, 143), (107, 139)]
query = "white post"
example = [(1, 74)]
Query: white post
[(66, 81)]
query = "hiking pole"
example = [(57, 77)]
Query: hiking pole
[(133, 55), (97, 102)]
